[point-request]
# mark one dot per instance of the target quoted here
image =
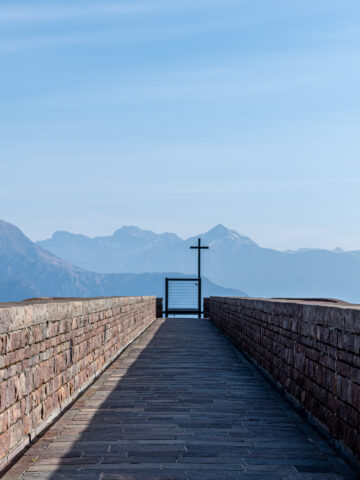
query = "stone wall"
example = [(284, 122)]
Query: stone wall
[(310, 349), (50, 351)]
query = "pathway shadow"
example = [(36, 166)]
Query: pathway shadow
[(178, 404)]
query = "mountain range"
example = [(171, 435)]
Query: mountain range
[(27, 270), (233, 260)]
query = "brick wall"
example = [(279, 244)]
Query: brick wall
[(52, 350), (312, 352)]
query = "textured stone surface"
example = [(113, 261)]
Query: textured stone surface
[(51, 351), (312, 351), (180, 403)]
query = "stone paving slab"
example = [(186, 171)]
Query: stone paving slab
[(181, 403)]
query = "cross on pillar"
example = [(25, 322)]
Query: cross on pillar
[(199, 247)]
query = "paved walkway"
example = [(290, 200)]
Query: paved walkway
[(180, 403)]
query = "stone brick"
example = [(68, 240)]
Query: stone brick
[(15, 412), (4, 443), (16, 433), (4, 421)]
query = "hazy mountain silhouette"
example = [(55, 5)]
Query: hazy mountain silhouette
[(233, 260), (26, 270), (131, 249), (109, 254)]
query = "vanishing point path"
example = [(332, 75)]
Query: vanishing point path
[(180, 403)]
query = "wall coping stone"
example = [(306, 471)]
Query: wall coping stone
[(341, 315), (19, 315)]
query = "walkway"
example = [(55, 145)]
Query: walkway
[(180, 403)]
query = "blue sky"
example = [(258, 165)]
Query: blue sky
[(178, 115)]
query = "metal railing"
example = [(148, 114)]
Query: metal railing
[(183, 296)]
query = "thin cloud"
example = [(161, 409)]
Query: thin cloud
[(43, 11), (122, 35), (237, 80)]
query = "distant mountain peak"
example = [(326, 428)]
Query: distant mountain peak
[(14, 243), (219, 228), (9, 229), (130, 229), (338, 250), (133, 230), (12, 239), (60, 234), (220, 232)]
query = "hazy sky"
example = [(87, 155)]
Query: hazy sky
[(175, 115)]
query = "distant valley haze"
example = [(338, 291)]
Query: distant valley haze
[(134, 261), (233, 261), (27, 270)]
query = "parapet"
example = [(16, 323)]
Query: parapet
[(53, 349), (310, 349)]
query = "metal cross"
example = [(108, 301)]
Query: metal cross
[(199, 247)]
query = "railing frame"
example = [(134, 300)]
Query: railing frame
[(184, 311)]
